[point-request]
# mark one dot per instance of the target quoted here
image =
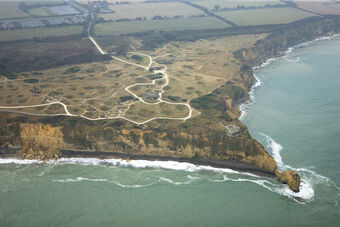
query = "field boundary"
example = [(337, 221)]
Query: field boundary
[(206, 11)]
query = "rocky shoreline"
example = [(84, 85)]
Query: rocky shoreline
[(238, 166), (12, 152)]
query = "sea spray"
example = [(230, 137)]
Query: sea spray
[(311, 181), (275, 149), (244, 106), (306, 192)]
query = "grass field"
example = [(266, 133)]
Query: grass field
[(321, 7), (111, 1), (42, 55), (34, 2), (149, 10), (24, 34), (119, 28), (197, 68), (142, 112), (210, 4), (265, 16), (11, 10), (98, 89), (42, 12)]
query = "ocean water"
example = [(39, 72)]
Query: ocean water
[(295, 114)]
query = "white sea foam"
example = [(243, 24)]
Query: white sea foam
[(315, 40), (306, 190), (306, 193), (193, 178), (275, 148), (174, 182), (267, 62), (309, 178), (289, 50), (132, 186), (171, 165), (288, 59), (18, 161), (78, 179), (245, 106), (264, 183)]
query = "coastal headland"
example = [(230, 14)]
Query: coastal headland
[(201, 128)]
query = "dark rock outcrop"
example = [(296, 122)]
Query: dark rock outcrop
[(291, 178)]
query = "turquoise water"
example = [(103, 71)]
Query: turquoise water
[(295, 115)]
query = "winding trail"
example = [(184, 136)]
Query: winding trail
[(38, 105), (127, 89)]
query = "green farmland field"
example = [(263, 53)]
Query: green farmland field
[(39, 12), (24, 34), (11, 10), (264, 16), (119, 28), (34, 2), (149, 10), (210, 4), (48, 2)]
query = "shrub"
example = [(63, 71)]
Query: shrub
[(74, 69), (136, 57), (125, 98), (155, 76), (32, 81)]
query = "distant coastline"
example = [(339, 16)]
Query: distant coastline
[(258, 82)]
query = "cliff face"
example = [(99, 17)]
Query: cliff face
[(275, 45), (278, 42), (41, 142), (212, 145)]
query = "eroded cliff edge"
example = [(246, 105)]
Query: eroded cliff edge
[(215, 134)]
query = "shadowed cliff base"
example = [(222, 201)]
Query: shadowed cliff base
[(239, 166)]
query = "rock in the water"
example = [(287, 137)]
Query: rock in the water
[(291, 178)]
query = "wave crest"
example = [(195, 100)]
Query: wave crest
[(79, 179), (246, 105)]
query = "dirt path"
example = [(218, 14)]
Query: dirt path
[(127, 89)]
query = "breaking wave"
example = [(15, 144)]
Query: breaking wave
[(245, 106), (174, 182), (309, 178), (306, 193), (275, 149), (79, 179), (170, 165), (133, 186)]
